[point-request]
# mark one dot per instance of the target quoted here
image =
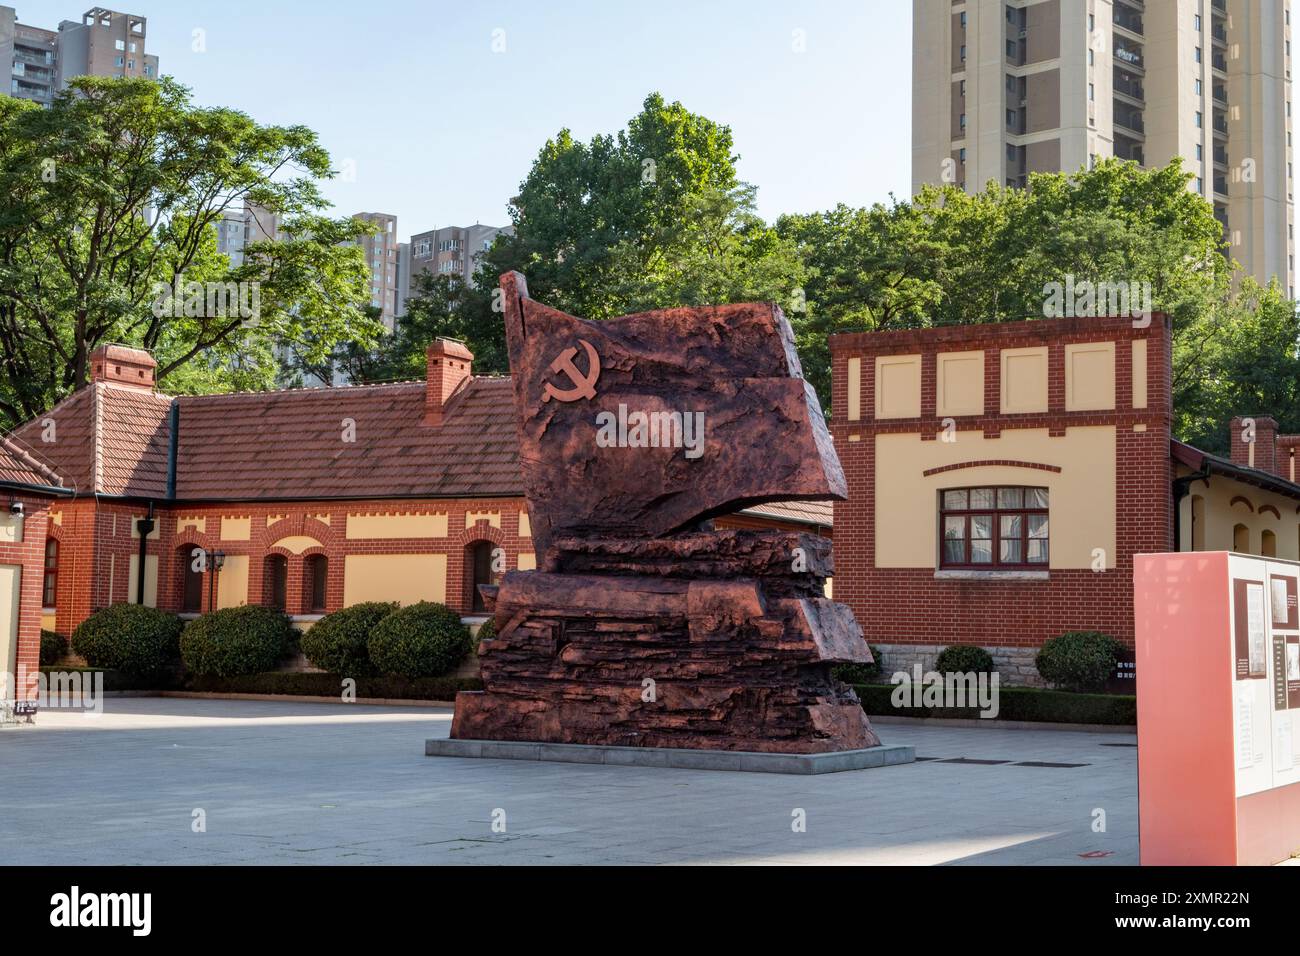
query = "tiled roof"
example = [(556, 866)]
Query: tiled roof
[(1199, 460), (113, 439), (108, 438), (292, 444), (20, 467), (805, 512)]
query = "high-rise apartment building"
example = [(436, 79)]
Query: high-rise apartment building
[(381, 258), (451, 250), (41, 61), (1003, 88)]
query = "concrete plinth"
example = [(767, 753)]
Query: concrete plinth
[(680, 758)]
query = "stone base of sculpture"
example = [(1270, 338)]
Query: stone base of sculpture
[(716, 640)]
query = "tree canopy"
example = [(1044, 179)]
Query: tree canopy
[(108, 206)]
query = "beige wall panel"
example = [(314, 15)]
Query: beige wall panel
[(959, 383), (397, 526), (150, 579), (236, 529), (492, 517), (232, 582), (854, 396), (898, 386), (1090, 376), (1024, 380), (527, 562), (297, 543), (1081, 497), (1139, 373), (406, 578)]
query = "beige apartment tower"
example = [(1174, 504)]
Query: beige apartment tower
[(1003, 88)]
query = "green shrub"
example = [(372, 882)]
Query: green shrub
[(1016, 703), (235, 640), (301, 683), (487, 630), (1078, 660), (860, 673), (421, 640), (132, 638), (337, 642), (964, 659), (53, 647)]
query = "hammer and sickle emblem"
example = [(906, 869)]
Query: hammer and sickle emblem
[(584, 386)]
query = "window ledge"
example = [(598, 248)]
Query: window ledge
[(955, 574)]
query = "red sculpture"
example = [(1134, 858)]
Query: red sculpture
[(643, 625)]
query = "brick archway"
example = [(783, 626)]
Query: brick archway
[(460, 566)]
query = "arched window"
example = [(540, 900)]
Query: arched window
[(275, 581), (50, 593), (315, 582), (1268, 544), (478, 570), (1241, 539), (191, 580)]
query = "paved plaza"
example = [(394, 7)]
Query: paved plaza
[(287, 782)]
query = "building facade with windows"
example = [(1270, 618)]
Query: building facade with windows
[(451, 250), (307, 499), (103, 43), (1002, 477), (1005, 88)]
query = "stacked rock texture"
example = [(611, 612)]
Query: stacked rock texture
[(643, 625)]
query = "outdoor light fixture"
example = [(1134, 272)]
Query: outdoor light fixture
[(218, 559), (15, 508)]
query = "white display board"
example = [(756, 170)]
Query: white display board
[(1264, 655)]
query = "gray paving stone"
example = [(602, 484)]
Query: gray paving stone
[(289, 782)]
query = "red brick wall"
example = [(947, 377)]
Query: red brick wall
[(911, 606), (30, 556), (97, 547)]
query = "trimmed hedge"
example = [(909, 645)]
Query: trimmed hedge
[(53, 647), (860, 673), (964, 659), (305, 684), (337, 642), (421, 640), (1017, 703), (133, 638), (236, 640), (297, 683), (1078, 660)]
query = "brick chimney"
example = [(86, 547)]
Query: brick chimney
[(450, 364), (1260, 453), (1288, 457), (124, 366)]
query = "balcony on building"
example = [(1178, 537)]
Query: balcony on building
[(1220, 93), (1129, 53), (1128, 117), (1128, 18), (1128, 85), (1128, 148), (1220, 123), (1220, 156)]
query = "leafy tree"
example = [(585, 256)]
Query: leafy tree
[(110, 197), (650, 217), (947, 258)]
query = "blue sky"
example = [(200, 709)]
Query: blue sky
[(441, 129)]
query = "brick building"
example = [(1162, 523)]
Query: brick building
[(307, 499), (1002, 477)]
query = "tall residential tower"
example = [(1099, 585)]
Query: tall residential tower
[(1003, 88)]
